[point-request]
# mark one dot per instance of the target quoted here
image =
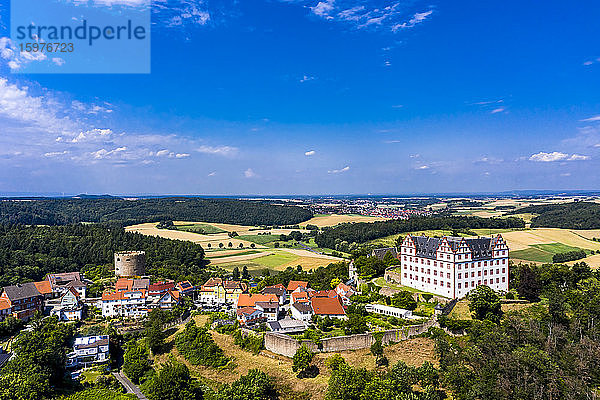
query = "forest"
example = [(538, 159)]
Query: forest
[(577, 215), (127, 212), (548, 351), (364, 231), (29, 253)]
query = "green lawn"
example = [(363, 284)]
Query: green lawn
[(542, 252), (204, 229), (242, 253), (259, 239), (275, 260)]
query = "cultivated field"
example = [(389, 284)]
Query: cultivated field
[(322, 220), (262, 256)]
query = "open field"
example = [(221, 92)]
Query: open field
[(322, 220), (413, 351), (262, 256), (205, 229), (542, 252)]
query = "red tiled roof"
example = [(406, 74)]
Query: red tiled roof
[(293, 285), (44, 287), (248, 300), (124, 284), (327, 306), (4, 304), (324, 293), (213, 282)]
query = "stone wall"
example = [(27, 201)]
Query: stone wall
[(392, 277), (285, 345)]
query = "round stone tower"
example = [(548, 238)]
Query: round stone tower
[(130, 263)]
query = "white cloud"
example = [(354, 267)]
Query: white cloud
[(579, 157), (212, 174), (307, 78), (55, 153), (565, 174), (398, 106), (39, 112), (182, 155), (58, 61), (323, 8), (162, 153), (226, 151), (489, 160), (249, 173), (557, 156), (421, 167), (93, 135), (548, 157), (310, 153), (339, 171), (497, 110), (591, 119), (416, 19)]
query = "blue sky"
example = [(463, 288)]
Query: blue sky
[(317, 97)]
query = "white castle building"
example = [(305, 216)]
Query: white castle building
[(453, 266)]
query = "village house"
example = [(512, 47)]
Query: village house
[(89, 350), (60, 283), (279, 290), (69, 307), (301, 311), (294, 286), (185, 288), (345, 292), (248, 316), (328, 307), (22, 300), (217, 291), (134, 298)]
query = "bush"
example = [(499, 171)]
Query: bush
[(198, 347)]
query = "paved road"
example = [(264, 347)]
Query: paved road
[(129, 386)]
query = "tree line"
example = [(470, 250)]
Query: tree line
[(577, 215), (362, 232), (548, 351), (47, 211), (28, 253)]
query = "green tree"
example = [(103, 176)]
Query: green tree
[(245, 273), (405, 300), (172, 382), (484, 303), (236, 274), (334, 362), (529, 286), (255, 386), (136, 361), (302, 360)]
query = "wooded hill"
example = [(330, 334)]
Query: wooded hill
[(127, 212), (29, 253), (364, 231), (578, 215)]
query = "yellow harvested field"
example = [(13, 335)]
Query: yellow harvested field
[(310, 254), (310, 262), (235, 259), (589, 233), (520, 240), (592, 261), (335, 219)]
